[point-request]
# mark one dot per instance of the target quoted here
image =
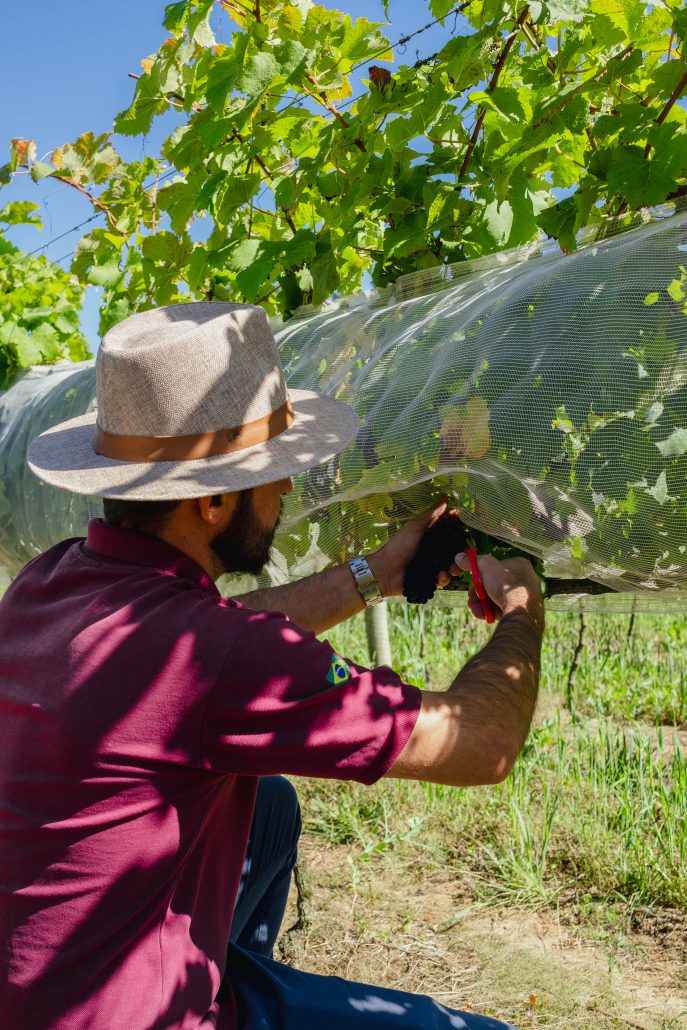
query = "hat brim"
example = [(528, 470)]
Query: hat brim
[(64, 457)]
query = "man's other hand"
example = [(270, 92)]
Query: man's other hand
[(510, 584)]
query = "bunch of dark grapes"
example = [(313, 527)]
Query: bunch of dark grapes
[(436, 552)]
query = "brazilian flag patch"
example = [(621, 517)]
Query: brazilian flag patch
[(339, 671)]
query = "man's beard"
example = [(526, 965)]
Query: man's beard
[(244, 546)]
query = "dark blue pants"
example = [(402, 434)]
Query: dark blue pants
[(272, 996)]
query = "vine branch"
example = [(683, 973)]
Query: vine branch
[(672, 100), (287, 217), (89, 196), (321, 98), (493, 82)]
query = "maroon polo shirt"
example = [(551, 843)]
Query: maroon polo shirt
[(137, 709)]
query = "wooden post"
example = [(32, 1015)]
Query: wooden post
[(377, 625)]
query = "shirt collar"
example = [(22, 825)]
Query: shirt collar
[(133, 548)]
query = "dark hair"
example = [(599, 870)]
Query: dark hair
[(140, 516)]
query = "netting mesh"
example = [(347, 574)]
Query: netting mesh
[(546, 393)]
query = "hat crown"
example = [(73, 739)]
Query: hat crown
[(187, 369)]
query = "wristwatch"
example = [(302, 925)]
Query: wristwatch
[(365, 581)]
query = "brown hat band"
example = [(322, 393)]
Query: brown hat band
[(197, 445)]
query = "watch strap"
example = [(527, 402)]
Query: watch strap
[(367, 585)]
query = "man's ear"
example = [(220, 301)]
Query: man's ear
[(214, 509)]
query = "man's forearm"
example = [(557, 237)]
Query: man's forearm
[(318, 602), (321, 601), (472, 733), (498, 687)]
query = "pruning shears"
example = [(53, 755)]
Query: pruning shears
[(487, 609)]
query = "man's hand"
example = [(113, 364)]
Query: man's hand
[(389, 563), (510, 584)]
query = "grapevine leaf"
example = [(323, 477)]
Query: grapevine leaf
[(41, 170), (244, 254), (28, 349), (107, 274), (23, 152), (498, 220), (257, 74), (21, 212), (659, 491), (362, 41), (567, 10), (254, 279), (675, 445), (560, 222), (292, 58), (463, 60), (440, 8), (175, 17), (198, 24), (647, 180), (149, 101)]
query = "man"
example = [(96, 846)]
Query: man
[(141, 712)]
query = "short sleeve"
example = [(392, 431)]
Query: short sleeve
[(286, 702)]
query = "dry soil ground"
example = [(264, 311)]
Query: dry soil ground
[(391, 925)]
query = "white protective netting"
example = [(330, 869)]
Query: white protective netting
[(546, 393)]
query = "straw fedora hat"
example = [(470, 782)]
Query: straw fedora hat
[(191, 401)]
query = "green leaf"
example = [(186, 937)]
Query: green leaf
[(21, 212), (16, 338), (651, 298), (164, 247), (41, 170), (675, 445), (498, 221), (440, 8), (107, 274), (676, 290), (149, 101), (257, 74), (560, 222), (463, 56), (680, 21), (254, 280), (292, 58), (244, 254), (645, 181), (505, 102), (299, 248), (89, 158), (567, 10), (325, 273), (46, 337), (284, 189), (304, 279), (180, 200), (362, 41), (174, 18), (198, 24), (401, 130), (234, 192), (659, 491), (222, 78)]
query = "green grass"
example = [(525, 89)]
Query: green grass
[(595, 810)]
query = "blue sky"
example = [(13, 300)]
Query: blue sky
[(64, 70)]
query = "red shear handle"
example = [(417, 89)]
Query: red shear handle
[(479, 585)]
